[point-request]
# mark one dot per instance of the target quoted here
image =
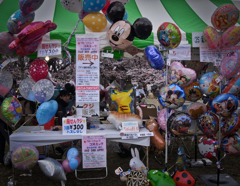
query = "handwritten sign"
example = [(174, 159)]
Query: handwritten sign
[(94, 151), (130, 127), (74, 126), (50, 48), (182, 52), (198, 39)]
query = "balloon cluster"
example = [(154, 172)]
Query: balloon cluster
[(72, 161)]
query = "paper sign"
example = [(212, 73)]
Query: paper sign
[(74, 126), (130, 127), (162, 48), (198, 39), (88, 109), (108, 55), (145, 134), (182, 52), (195, 56), (219, 79), (94, 151), (130, 136), (50, 48)]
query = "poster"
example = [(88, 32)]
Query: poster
[(182, 52), (87, 75), (94, 152), (74, 126)]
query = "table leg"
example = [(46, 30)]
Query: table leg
[(147, 159)]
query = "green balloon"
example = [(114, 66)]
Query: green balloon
[(158, 178)]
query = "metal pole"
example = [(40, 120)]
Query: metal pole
[(166, 131), (196, 142)]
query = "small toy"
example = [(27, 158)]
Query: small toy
[(180, 160), (136, 163), (158, 178), (184, 178)]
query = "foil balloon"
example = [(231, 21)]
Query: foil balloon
[(195, 110), (197, 66), (26, 89), (25, 157), (52, 168), (115, 11), (179, 123), (207, 147), (233, 86), (11, 109), (74, 6), (212, 37), (38, 69), (43, 90), (231, 36), (96, 22), (158, 178), (6, 82), (230, 65), (230, 124), (193, 92), (180, 75), (124, 18), (208, 123), (231, 144), (154, 57), (93, 5), (5, 39), (162, 118), (171, 96), (104, 10), (224, 105), (169, 35), (225, 16), (209, 85), (28, 6)]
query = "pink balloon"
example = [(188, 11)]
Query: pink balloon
[(38, 69), (161, 118), (212, 37), (78, 159), (65, 165), (3, 90), (231, 36)]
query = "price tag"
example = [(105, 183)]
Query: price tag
[(145, 134), (108, 55), (74, 126), (217, 62), (130, 127), (219, 78), (50, 48), (130, 136)]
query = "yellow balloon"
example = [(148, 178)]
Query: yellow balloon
[(96, 22)]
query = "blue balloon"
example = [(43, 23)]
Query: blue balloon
[(31, 96), (93, 5), (154, 57), (46, 111), (124, 18), (72, 153), (73, 163)]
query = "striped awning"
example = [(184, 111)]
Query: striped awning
[(190, 16)]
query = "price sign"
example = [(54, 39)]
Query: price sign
[(145, 134), (219, 78), (130, 127), (130, 136), (50, 48), (74, 126), (108, 55)]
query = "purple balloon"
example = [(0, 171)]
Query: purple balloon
[(5, 39), (78, 159), (65, 165)]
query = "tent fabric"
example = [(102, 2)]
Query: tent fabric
[(189, 15)]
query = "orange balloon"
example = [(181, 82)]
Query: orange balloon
[(96, 22)]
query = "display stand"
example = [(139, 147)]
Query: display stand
[(84, 170)]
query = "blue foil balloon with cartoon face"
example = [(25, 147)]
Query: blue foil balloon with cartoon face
[(154, 57)]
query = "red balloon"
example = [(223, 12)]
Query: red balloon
[(104, 10), (38, 69)]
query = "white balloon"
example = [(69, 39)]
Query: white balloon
[(6, 82), (26, 89), (74, 6), (43, 90)]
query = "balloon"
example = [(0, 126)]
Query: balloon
[(197, 66), (65, 165), (74, 6), (208, 124), (208, 84), (104, 10), (72, 153), (195, 110), (162, 118), (233, 86), (231, 144), (171, 96), (115, 11), (179, 123), (224, 105), (230, 124), (73, 163), (225, 16), (46, 111), (5, 39), (38, 69), (169, 35), (180, 75), (93, 5), (18, 21), (26, 89), (231, 36), (52, 168), (11, 109), (124, 2), (6, 81), (124, 18), (160, 178), (25, 157), (212, 37), (78, 159), (207, 147), (82, 15), (28, 6), (230, 65), (154, 57), (96, 22), (43, 90), (193, 92)]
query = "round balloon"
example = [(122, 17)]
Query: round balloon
[(124, 18), (72, 153), (230, 65), (28, 6), (193, 92), (43, 90), (230, 124), (208, 84), (208, 124), (107, 4), (18, 21), (26, 89), (180, 75), (5, 39), (212, 37), (38, 69), (231, 144), (93, 5), (6, 81), (74, 6), (207, 147), (233, 86), (25, 157), (197, 66), (224, 105), (195, 110), (11, 109), (225, 16), (65, 165), (162, 118), (154, 57), (172, 96), (96, 22), (231, 36), (169, 35)]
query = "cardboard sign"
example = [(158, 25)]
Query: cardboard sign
[(130, 127), (74, 126), (50, 48)]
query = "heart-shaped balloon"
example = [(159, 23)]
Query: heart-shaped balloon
[(231, 36), (38, 69), (154, 57), (230, 125), (195, 110), (162, 118), (208, 84), (212, 37), (180, 75), (193, 92)]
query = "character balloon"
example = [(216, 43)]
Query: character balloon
[(195, 110), (43, 90), (212, 37), (154, 57), (193, 92), (6, 81), (233, 86), (207, 147), (209, 85), (230, 124), (231, 144), (38, 69)]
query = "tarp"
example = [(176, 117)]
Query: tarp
[(189, 15)]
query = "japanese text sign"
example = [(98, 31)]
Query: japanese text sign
[(50, 48), (130, 127), (74, 126)]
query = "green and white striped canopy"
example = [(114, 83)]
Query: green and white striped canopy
[(190, 16)]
